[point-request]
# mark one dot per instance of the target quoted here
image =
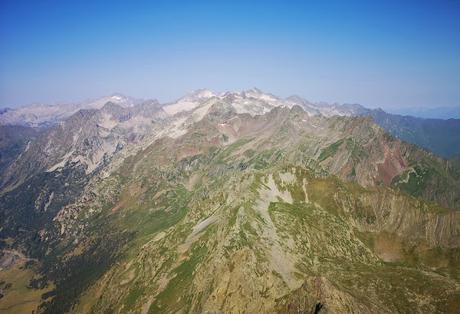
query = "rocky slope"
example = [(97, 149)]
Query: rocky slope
[(41, 115), (437, 135), (237, 202), (13, 141)]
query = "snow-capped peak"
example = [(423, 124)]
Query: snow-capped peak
[(117, 97), (256, 93), (201, 93)]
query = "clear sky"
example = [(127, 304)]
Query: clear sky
[(377, 53)]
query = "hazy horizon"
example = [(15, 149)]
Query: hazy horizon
[(389, 55), (435, 112)]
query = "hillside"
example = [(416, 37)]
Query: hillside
[(230, 203)]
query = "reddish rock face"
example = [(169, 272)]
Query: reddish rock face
[(393, 164)]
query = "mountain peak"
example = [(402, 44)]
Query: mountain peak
[(201, 93), (118, 97), (259, 94), (298, 100)]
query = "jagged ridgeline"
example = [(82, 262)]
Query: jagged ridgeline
[(232, 203)]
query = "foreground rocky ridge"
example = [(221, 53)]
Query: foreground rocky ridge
[(234, 203)]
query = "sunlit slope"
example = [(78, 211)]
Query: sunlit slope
[(261, 214)]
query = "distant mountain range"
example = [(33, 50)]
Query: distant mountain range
[(436, 135), (451, 112), (227, 203), (41, 115)]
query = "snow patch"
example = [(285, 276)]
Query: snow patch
[(180, 106)]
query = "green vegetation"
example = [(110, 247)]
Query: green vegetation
[(416, 180), (133, 296), (330, 150), (176, 295), (226, 152)]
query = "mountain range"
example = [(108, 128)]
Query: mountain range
[(447, 112), (438, 135), (227, 203)]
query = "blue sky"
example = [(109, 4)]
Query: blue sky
[(390, 54)]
